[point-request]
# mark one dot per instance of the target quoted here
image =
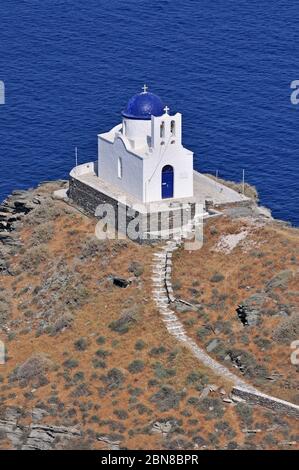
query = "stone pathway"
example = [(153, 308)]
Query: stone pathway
[(164, 296)]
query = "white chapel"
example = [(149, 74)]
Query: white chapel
[(142, 167), (144, 155)]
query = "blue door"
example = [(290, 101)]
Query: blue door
[(167, 181)]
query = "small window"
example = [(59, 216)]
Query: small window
[(172, 127), (119, 168), (162, 130)]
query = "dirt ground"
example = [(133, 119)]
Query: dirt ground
[(98, 357)]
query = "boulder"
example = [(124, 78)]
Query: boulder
[(41, 437), (212, 345)]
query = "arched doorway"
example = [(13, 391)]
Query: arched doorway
[(167, 181)]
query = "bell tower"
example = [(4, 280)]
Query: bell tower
[(166, 130)]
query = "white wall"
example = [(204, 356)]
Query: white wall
[(182, 162), (137, 131), (144, 152), (132, 165), (168, 150)]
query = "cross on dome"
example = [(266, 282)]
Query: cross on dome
[(145, 88), (166, 109)]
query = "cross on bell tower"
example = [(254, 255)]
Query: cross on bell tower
[(166, 109)]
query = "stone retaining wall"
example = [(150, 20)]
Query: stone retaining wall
[(268, 401), (89, 199)]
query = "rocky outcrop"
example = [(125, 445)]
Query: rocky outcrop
[(42, 437), (14, 207), (34, 436), (18, 204)]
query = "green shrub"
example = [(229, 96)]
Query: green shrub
[(166, 398), (213, 406), (202, 333), (194, 377), (136, 268), (81, 344), (162, 373), (127, 319), (42, 233), (121, 414), (113, 379), (217, 277), (81, 390), (92, 247), (101, 340), (288, 330), (139, 345), (262, 343), (245, 412), (157, 351), (102, 353), (71, 363), (65, 321), (136, 366), (34, 257), (97, 364)]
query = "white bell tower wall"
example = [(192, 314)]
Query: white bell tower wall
[(166, 129)]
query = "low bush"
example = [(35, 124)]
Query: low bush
[(166, 398), (70, 363), (113, 379), (42, 233), (65, 321), (127, 319), (101, 340), (244, 411), (157, 351), (213, 406), (102, 353), (33, 369), (92, 246), (217, 277), (136, 366), (121, 414), (139, 345), (162, 372), (136, 268), (34, 257), (5, 310), (81, 390), (288, 330), (81, 344)]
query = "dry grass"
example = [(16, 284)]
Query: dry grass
[(261, 272), (107, 382)]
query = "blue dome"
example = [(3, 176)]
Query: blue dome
[(143, 106)]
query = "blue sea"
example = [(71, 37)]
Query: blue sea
[(70, 66)]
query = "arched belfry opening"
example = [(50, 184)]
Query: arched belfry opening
[(167, 182), (172, 128)]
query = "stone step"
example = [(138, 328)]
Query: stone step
[(161, 301), (158, 285), (159, 271), (158, 277), (172, 323)]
